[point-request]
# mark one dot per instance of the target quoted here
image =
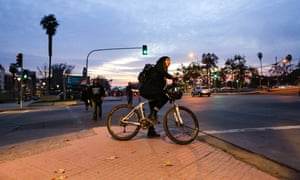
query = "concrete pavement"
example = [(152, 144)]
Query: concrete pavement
[(101, 157)]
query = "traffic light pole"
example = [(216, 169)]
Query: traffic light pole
[(19, 63), (21, 90), (107, 49)]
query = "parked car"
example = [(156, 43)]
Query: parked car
[(200, 91)]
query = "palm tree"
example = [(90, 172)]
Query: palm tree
[(49, 23)]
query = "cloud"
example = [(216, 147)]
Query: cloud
[(173, 28)]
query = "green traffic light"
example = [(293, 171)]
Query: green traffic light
[(25, 75), (215, 75), (144, 50)]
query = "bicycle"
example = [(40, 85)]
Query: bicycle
[(180, 124)]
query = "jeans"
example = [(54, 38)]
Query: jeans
[(97, 110)]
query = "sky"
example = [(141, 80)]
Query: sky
[(174, 28)]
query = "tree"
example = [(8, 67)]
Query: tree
[(237, 69), (192, 72), (59, 70), (260, 55), (49, 23), (289, 58), (210, 60)]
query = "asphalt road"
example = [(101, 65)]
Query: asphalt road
[(266, 125)]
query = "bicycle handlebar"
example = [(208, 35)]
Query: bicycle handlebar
[(173, 92)]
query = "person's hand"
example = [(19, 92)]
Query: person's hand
[(175, 79)]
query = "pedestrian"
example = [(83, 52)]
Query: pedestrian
[(97, 94), (129, 93), (153, 89), (85, 97)]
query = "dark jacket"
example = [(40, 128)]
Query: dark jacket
[(156, 81), (85, 95), (96, 92)]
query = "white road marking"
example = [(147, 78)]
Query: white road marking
[(252, 129)]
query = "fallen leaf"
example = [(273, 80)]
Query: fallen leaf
[(60, 171), (112, 157), (168, 163), (60, 178)]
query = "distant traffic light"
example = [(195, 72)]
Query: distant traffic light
[(19, 60), (84, 72), (215, 75), (144, 50), (25, 75)]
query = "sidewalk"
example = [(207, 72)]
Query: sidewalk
[(12, 106), (101, 157)]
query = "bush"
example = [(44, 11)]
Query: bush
[(7, 97)]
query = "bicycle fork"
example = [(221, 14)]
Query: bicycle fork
[(177, 116)]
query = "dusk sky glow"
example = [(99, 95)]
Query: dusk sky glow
[(169, 27)]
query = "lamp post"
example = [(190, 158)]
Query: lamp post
[(260, 55), (284, 61), (193, 56)]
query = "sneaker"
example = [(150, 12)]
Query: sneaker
[(152, 134)]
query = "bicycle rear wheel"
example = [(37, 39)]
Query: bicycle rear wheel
[(122, 130), (181, 133)]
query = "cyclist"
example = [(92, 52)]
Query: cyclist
[(153, 89)]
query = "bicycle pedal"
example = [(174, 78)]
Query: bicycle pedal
[(144, 123)]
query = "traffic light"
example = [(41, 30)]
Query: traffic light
[(19, 60), (215, 75), (144, 50), (25, 75), (84, 72)]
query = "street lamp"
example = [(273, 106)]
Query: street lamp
[(192, 55), (284, 61)]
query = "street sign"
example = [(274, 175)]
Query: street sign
[(75, 81)]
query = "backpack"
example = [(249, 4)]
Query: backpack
[(144, 75)]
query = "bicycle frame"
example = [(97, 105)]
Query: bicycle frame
[(138, 108), (141, 111)]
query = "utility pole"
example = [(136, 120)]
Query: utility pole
[(276, 69)]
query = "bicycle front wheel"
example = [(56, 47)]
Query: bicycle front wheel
[(179, 133), (123, 130)]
